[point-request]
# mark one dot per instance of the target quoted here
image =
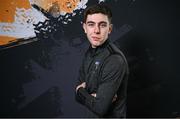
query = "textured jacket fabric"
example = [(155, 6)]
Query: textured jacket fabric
[(105, 71)]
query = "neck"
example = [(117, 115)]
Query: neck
[(93, 47)]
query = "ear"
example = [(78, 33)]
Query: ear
[(84, 27), (110, 28)]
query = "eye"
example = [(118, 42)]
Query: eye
[(90, 24), (103, 25)]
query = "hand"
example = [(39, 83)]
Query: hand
[(83, 85), (114, 98), (93, 94)]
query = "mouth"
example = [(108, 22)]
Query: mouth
[(95, 38)]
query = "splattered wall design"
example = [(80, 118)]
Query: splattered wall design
[(18, 17)]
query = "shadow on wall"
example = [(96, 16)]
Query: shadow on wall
[(152, 80)]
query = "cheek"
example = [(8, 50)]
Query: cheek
[(88, 31), (105, 33)]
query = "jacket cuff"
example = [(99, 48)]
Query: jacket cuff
[(85, 97)]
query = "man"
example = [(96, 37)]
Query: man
[(102, 82)]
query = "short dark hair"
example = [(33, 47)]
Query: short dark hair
[(98, 8)]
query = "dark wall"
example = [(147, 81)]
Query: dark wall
[(38, 79)]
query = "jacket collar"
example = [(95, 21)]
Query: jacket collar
[(97, 50)]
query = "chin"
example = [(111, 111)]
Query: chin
[(95, 43)]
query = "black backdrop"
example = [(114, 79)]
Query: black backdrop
[(37, 79)]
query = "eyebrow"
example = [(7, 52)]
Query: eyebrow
[(102, 22), (90, 22)]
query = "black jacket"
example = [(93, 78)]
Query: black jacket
[(105, 71)]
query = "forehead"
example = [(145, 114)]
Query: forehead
[(98, 17)]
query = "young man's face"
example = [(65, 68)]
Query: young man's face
[(97, 29)]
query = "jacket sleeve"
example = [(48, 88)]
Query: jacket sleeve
[(113, 71), (80, 80)]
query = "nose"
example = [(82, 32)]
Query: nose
[(96, 29)]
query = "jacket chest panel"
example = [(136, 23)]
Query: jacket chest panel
[(92, 74)]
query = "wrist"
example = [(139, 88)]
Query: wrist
[(78, 88)]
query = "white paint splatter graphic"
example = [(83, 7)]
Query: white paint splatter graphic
[(80, 5), (22, 27), (101, 1)]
